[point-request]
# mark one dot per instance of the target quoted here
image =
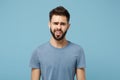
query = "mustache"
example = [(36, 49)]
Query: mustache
[(58, 30)]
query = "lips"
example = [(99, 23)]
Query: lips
[(58, 32)]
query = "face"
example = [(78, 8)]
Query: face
[(58, 27)]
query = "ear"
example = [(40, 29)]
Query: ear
[(68, 25), (49, 24)]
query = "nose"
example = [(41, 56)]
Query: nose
[(59, 26)]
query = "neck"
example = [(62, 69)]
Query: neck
[(58, 44)]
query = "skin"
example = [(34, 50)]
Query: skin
[(58, 26)]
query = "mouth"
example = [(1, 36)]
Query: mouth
[(58, 33)]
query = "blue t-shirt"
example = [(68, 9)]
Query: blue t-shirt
[(58, 63)]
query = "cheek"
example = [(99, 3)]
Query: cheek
[(65, 29), (52, 29)]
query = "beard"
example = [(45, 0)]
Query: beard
[(58, 38)]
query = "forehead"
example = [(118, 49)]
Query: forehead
[(58, 18)]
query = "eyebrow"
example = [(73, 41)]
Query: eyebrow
[(61, 23)]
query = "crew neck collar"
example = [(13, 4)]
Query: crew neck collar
[(68, 42)]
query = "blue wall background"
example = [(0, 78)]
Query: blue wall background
[(95, 25)]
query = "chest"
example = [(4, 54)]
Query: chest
[(58, 60)]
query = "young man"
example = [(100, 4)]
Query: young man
[(58, 59)]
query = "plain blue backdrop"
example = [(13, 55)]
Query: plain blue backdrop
[(95, 25)]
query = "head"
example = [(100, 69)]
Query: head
[(59, 22)]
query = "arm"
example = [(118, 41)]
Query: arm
[(80, 74), (35, 74)]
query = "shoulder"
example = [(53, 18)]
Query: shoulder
[(76, 48), (44, 45), (41, 48)]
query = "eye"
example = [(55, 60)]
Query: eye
[(55, 23), (63, 23)]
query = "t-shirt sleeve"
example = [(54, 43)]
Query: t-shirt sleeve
[(81, 63), (34, 61)]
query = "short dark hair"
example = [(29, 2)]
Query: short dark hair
[(60, 10)]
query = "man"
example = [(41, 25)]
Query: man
[(58, 59)]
